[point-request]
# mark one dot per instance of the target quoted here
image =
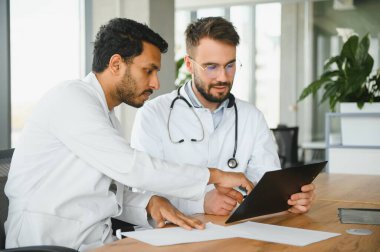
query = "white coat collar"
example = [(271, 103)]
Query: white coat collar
[(93, 81)]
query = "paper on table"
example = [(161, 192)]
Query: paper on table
[(279, 234), (176, 235), (249, 230)]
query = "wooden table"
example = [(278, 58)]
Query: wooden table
[(348, 187), (334, 191)]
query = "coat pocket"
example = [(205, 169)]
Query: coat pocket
[(45, 229)]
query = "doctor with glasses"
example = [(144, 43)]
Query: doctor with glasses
[(202, 123)]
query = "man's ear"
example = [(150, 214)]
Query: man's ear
[(115, 64), (188, 64)]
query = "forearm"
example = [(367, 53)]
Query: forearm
[(190, 207), (134, 208), (224, 181), (215, 176)]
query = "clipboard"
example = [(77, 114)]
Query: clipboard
[(274, 189)]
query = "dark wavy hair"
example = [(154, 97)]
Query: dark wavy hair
[(216, 28), (124, 37)]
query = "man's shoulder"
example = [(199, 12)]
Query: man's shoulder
[(73, 92), (247, 107), (68, 86)]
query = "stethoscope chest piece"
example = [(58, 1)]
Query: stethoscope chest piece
[(232, 163)]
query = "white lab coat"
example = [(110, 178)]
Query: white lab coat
[(63, 166), (256, 149)]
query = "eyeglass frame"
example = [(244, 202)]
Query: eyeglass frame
[(237, 63)]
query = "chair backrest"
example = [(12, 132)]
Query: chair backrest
[(3, 211), (287, 143), (5, 162)]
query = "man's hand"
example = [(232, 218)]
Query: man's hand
[(301, 202), (162, 210), (218, 203), (224, 181)]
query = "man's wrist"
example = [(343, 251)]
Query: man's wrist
[(150, 203), (214, 176)]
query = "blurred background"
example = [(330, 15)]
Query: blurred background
[(284, 45)]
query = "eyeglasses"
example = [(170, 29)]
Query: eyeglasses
[(213, 70)]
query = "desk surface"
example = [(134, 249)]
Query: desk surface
[(348, 188), (323, 216)]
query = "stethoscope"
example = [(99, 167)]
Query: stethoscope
[(232, 162)]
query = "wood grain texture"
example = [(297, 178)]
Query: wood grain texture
[(334, 192), (348, 187)]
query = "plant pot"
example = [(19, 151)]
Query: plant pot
[(360, 131)]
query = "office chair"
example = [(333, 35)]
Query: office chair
[(287, 144), (5, 161)]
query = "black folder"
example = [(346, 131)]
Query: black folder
[(274, 189), (369, 216)]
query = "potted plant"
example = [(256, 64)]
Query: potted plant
[(347, 78)]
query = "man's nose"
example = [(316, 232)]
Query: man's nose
[(154, 82), (222, 75)]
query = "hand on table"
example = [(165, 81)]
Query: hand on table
[(301, 202), (162, 210)]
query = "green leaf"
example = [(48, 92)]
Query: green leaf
[(329, 75), (350, 47), (362, 51), (310, 89), (360, 105), (332, 103), (330, 61), (330, 91)]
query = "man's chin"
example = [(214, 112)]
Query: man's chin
[(219, 97), (135, 104)]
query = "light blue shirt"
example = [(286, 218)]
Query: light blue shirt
[(217, 114)]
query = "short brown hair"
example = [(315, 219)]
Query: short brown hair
[(216, 28)]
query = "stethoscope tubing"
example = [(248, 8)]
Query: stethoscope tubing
[(232, 162)]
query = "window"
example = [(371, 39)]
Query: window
[(45, 50), (267, 74), (241, 17)]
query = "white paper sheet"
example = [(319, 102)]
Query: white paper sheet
[(176, 235), (279, 234), (249, 230)]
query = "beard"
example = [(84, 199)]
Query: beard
[(204, 90), (127, 91)]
